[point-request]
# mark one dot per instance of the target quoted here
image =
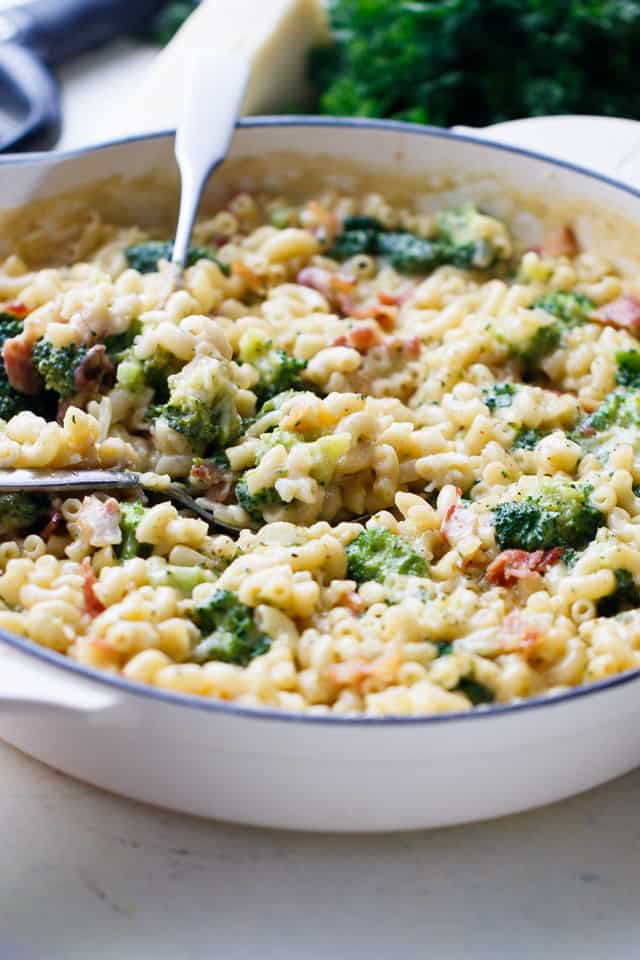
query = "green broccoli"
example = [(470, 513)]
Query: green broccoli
[(375, 554), (475, 692), (571, 308), (229, 631), (21, 512), (558, 515), (201, 405), (408, 253), (58, 366), (117, 345), (527, 438), (620, 409), (444, 647), (255, 503), (543, 342), (278, 371), (628, 368), (463, 240), (360, 221), (130, 516), (626, 595), (351, 242), (499, 395), (154, 372), (11, 401), (144, 257)]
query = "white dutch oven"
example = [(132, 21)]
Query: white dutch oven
[(280, 770)]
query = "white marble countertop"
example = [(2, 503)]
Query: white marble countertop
[(86, 874)]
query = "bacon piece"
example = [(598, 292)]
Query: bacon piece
[(520, 636), (352, 673), (53, 525), (412, 347), (458, 522), (333, 286), (354, 602), (16, 308), (215, 481), (18, 363), (93, 606), (328, 222), (513, 565), (561, 243), (99, 521), (387, 317), (361, 337), (623, 314), (94, 368)]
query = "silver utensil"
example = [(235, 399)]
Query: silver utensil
[(102, 481), (212, 106)]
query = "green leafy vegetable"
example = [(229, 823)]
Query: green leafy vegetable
[(557, 515), (20, 513), (475, 692), (130, 516), (11, 401), (255, 503), (58, 366), (571, 308), (230, 632), (278, 371), (628, 368), (626, 595), (375, 554), (144, 257), (453, 61)]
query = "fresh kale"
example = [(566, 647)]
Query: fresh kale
[(229, 631), (558, 515), (21, 512), (444, 61), (375, 554), (144, 257)]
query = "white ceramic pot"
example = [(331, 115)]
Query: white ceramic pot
[(274, 769)]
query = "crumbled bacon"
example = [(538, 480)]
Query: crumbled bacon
[(99, 521), (19, 365), (328, 224), (215, 481), (386, 316), (354, 602), (94, 368), (520, 636), (249, 276), (623, 314), (354, 672), (92, 605), (16, 308), (513, 565), (333, 286), (458, 522), (561, 243), (361, 337), (53, 525)]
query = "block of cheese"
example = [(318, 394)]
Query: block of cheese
[(275, 34)]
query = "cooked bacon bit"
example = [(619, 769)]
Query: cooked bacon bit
[(623, 314), (53, 525), (513, 565), (458, 522), (215, 481), (93, 606), (18, 362), (99, 521), (562, 243), (249, 276), (389, 299), (354, 602), (333, 286), (15, 307), (354, 672), (412, 347), (361, 337), (94, 369), (386, 316), (520, 636)]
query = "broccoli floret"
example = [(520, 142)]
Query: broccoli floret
[(527, 438), (11, 401), (362, 222), (571, 308), (58, 366), (278, 371), (230, 632), (144, 257), (543, 342), (626, 595), (465, 241), (557, 515), (130, 516), (375, 554), (628, 368), (408, 253), (444, 647), (255, 503), (475, 692), (21, 512), (499, 395), (620, 409), (201, 405), (154, 372), (351, 242)]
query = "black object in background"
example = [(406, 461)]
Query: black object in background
[(40, 35)]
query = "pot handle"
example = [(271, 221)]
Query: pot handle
[(607, 145), (27, 685)]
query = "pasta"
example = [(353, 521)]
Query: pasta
[(427, 434)]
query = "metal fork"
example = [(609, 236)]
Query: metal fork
[(103, 481)]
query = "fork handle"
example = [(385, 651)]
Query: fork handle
[(65, 481)]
